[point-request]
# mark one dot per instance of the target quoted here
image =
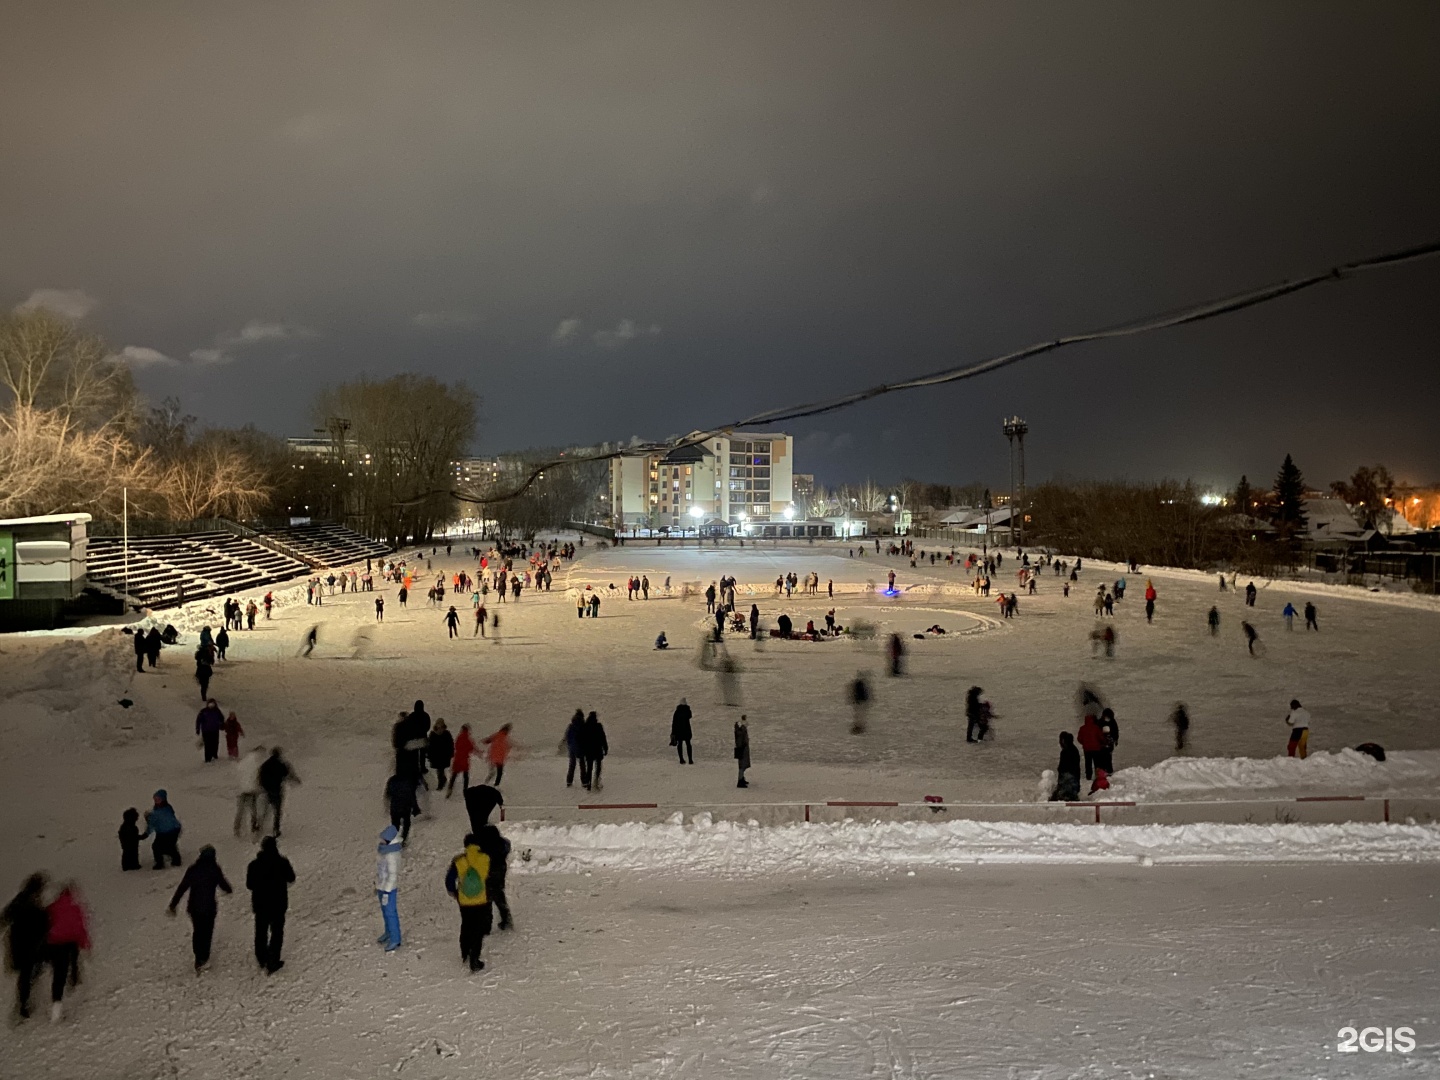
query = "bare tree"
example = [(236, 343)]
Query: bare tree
[(47, 364)]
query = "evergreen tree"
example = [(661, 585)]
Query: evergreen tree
[(1244, 496), (1289, 500)]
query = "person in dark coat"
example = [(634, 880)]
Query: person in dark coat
[(440, 748), (153, 645), (28, 927), (465, 880), (203, 671), (1180, 718), (275, 772), (680, 732), (209, 723), (222, 642), (742, 750), (575, 746), (497, 848), (1111, 729), (269, 877), (400, 797), (161, 822), (480, 800), (977, 715), (596, 747), (201, 879), (139, 644), (130, 840), (1067, 782)]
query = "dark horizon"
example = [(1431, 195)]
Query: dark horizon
[(638, 220)]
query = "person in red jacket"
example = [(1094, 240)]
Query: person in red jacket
[(464, 750), (68, 934), (233, 731), (1092, 740), (499, 745)]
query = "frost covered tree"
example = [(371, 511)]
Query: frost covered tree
[(1370, 492)]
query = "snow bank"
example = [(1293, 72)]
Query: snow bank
[(1344, 772), (705, 846)]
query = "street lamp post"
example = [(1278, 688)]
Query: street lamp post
[(1015, 430)]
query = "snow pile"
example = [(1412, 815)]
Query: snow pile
[(58, 691), (1345, 772), (706, 846)]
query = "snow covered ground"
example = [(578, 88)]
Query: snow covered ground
[(695, 949)]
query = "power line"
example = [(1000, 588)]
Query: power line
[(1210, 309)]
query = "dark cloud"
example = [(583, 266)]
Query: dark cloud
[(642, 218)]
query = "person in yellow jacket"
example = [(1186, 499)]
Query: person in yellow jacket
[(465, 881)]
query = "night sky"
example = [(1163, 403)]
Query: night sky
[(619, 219)]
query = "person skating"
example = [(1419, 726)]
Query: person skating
[(379, 609), (28, 926), (710, 599), (129, 835), (742, 750), (1289, 613), (269, 877), (596, 747), (209, 723), (1180, 720), (202, 878), (1311, 618), (139, 643), (1250, 593), (859, 703), (441, 751), (680, 733), (497, 850), (1213, 619), (465, 881), (1298, 720), (1067, 772), (460, 763), (161, 822), (1251, 637), (203, 671), (895, 650), (275, 772), (754, 622), (574, 745), (480, 800), (247, 788), (400, 800), (1092, 742), (312, 638), (233, 731), (497, 752), (387, 885), (452, 622), (222, 642), (977, 715), (66, 935)]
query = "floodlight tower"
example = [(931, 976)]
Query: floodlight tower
[(1015, 430)]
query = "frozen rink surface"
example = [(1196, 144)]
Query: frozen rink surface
[(721, 952)]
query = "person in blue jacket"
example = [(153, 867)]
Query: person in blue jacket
[(162, 823), (387, 885), (1289, 614)]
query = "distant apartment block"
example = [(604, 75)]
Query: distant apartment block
[(745, 477)]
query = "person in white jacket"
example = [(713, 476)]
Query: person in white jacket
[(1298, 720), (387, 885), (247, 788)]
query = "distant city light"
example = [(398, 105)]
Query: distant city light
[(1212, 500), (789, 513)]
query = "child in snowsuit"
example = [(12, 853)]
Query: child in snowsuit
[(130, 840), (387, 885), (162, 822)]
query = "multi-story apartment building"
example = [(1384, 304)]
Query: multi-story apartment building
[(740, 478)]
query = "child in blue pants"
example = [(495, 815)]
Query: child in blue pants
[(387, 885)]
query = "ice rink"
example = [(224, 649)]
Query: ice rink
[(843, 965)]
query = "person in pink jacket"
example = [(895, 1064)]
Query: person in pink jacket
[(68, 934)]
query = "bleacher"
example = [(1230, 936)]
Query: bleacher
[(203, 564), (220, 563), (328, 545)]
